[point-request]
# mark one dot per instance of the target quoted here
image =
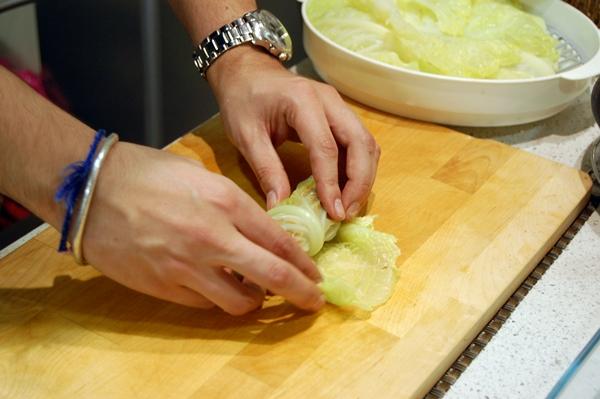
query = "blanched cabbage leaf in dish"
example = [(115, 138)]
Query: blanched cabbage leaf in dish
[(490, 39)]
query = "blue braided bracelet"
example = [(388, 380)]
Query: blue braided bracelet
[(76, 175)]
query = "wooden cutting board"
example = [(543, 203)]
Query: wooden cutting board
[(472, 218)]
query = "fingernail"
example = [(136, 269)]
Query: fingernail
[(320, 303), (353, 210), (271, 199), (339, 209), (317, 278)]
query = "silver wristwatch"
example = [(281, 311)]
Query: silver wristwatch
[(258, 27)]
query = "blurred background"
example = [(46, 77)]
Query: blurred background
[(125, 66)]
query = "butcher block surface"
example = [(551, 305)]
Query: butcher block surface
[(472, 218)]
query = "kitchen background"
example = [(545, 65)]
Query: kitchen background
[(124, 66)]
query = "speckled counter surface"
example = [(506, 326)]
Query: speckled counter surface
[(562, 311)]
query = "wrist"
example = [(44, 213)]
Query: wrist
[(37, 194), (237, 61), (44, 204)]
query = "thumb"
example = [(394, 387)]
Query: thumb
[(268, 169)]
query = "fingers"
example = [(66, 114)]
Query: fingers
[(306, 116), (361, 167), (259, 228), (362, 152), (241, 242), (224, 290), (267, 167), (187, 297), (275, 274)]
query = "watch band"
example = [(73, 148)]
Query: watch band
[(233, 34)]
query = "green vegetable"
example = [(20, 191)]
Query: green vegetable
[(359, 266), (357, 263), (470, 38), (304, 218)]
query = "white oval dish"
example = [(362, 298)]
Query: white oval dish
[(462, 101)]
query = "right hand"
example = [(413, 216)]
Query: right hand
[(262, 104), (166, 226)]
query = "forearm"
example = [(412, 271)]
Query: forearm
[(37, 141), (201, 17)]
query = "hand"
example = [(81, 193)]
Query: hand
[(262, 104), (165, 226)]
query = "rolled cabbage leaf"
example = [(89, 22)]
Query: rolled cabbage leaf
[(304, 218), (357, 263)]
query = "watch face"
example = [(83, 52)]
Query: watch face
[(274, 32)]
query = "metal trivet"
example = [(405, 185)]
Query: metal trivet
[(569, 58)]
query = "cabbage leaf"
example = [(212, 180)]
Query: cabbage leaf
[(359, 266), (357, 263), (302, 216), (488, 39)]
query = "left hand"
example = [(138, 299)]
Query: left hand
[(263, 104)]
